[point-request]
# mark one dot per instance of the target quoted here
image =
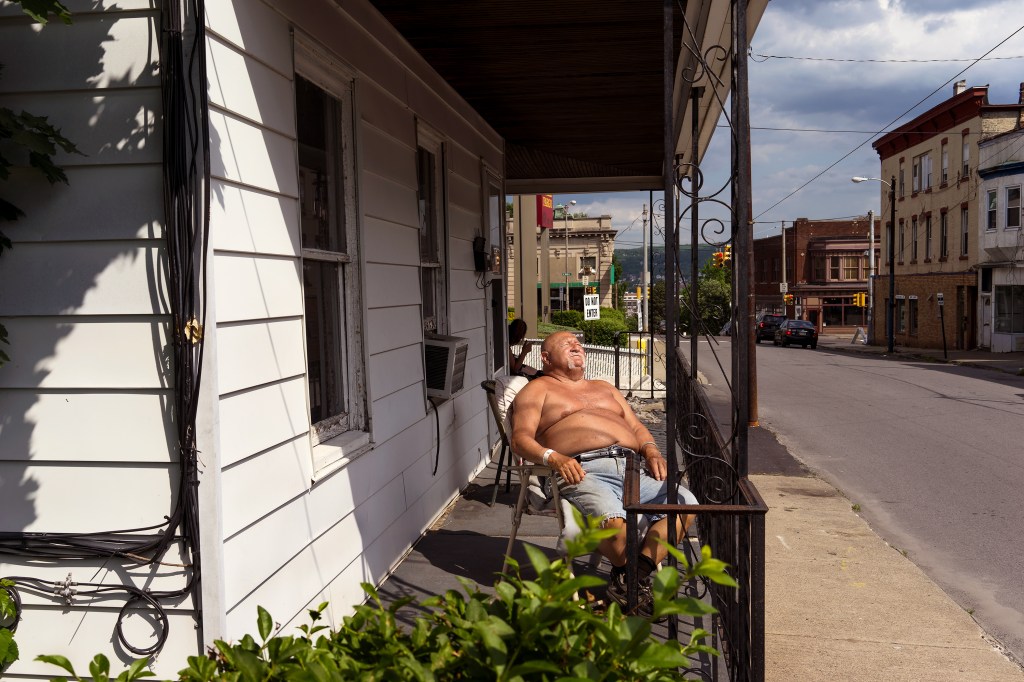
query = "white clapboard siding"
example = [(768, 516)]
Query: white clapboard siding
[(114, 60), (82, 635), (256, 353), (255, 28), (86, 426), (391, 285), (107, 126), (396, 369), (301, 522), (246, 220), (377, 110), (86, 278), (251, 155), (277, 408), (291, 585), (83, 7), (250, 89), (91, 498), (98, 202), (391, 243), (464, 193), (392, 327), (388, 200), (250, 288), (387, 156), (397, 411), (464, 223), (466, 315), (281, 474), (87, 353)]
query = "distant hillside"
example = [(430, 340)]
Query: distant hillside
[(632, 261)]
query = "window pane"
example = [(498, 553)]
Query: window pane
[(324, 333), (427, 284), (993, 208), (323, 225), (1012, 207), (426, 194), (851, 267)]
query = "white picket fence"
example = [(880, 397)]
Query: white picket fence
[(634, 364)]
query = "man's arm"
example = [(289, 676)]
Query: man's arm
[(645, 441), (527, 410)]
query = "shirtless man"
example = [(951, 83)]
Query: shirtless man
[(580, 428)]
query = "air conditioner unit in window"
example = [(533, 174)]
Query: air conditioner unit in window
[(445, 365)]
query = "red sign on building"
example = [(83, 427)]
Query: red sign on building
[(545, 211)]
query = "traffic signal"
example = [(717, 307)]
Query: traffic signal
[(860, 299), (719, 257), (788, 298), (727, 255)]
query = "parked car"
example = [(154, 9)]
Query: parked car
[(766, 326), (796, 331)]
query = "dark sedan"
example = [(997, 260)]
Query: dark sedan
[(796, 331), (766, 326)]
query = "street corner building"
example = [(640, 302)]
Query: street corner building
[(246, 335)]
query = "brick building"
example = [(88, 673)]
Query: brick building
[(933, 161), (826, 264)]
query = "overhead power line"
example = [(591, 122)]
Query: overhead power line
[(883, 129), (766, 57)]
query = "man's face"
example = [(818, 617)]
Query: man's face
[(566, 352)]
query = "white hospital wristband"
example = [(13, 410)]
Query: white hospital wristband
[(546, 456)]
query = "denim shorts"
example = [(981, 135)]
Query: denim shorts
[(600, 491)]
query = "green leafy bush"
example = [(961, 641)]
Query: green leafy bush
[(613, 314), (603, 332), (8, 616), (567, 318), (528, 630)]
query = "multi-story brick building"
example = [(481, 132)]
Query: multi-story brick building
[(1001, 242), (932, 161), (826, 264)]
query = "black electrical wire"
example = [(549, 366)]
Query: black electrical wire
[(437, 451), (186, 144)]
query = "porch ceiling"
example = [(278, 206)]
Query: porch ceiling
[(574, 87)]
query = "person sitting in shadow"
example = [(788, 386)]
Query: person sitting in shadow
[(516, 364)]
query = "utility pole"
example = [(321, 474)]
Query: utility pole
[(644, 278), (784, 289), (871, 277)]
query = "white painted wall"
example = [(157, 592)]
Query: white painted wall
[(85, 425), (84, 418), (293, 538)]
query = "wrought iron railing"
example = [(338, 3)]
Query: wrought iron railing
[(730, 519)]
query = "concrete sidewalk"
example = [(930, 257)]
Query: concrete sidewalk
[(841, 604), (1011, 363)]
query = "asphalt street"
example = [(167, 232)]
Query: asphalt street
[(931, 454)]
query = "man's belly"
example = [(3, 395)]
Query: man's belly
[(583, 431)]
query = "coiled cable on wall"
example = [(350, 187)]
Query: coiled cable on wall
[(186, 191)]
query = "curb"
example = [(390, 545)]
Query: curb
[(911, 355)]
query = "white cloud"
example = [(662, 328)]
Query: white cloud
[(845, 95)]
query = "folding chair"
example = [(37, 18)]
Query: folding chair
[(506, 447), (533, 497)]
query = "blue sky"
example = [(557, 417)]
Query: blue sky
[(823, 91)]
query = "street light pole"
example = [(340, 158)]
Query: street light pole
[(565, 228), (890, 310)]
